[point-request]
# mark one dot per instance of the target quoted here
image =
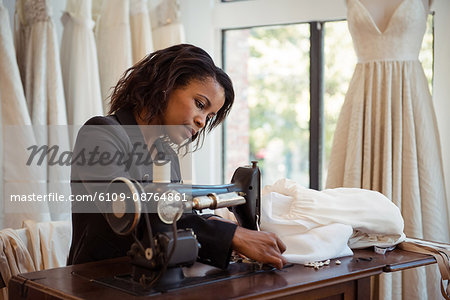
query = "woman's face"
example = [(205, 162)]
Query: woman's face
[(191, 106)]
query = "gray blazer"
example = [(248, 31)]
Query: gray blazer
[(92, 237)]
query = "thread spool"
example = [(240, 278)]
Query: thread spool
[(161, 171)]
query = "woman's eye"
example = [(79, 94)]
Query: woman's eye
[(199, 104)]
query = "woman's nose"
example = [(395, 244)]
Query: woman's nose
[(200, 121)]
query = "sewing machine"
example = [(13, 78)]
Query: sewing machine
[(158, 257), (120, 278)]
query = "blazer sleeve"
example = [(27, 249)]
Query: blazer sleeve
[(92, 237), (214, 236)]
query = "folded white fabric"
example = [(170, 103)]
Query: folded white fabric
[(289, 210), (318, 244), (14, 258), (50, 243), (305, 241)]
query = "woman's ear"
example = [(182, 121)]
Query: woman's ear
[(140, 117)]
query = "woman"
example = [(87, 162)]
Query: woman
[(178, 86)]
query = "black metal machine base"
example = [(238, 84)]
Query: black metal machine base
[(174, 279)]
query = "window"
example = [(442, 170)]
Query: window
[(269, 66), (290, 83)]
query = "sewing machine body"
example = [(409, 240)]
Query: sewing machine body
[(157, 259)]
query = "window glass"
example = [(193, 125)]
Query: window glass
[(270, 122), (339, 64)]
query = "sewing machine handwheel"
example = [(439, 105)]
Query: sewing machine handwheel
[(124, 209), (169, 206)]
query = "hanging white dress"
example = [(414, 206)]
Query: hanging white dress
[(167, 29), (16, 135), (387, 139), (39, 64), (141, 32), (113, 38), (79, 63)]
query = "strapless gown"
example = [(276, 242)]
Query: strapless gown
[(386, 138)]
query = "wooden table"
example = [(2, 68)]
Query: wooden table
[(349, 280)]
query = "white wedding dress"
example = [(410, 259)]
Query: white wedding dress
[(167, 29), (141, 31), (112, 33), (79, 63), (386, 138), (16, 135), (39, 64)]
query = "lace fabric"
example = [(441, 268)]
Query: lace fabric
[(168, 12), (33, 11)]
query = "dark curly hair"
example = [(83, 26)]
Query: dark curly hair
[(149, 83)]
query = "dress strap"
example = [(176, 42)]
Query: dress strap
[(441, 255)]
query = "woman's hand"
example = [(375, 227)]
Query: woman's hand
[(261, 246)]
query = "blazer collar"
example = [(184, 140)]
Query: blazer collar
[(125, 116)]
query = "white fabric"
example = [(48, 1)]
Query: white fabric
[(113, 38), (96, 9), (168, 35), (50, 243), (167, 29), (14, 258), (18, 178), (38, 58), (35, 252), (305, 241), (226, 214), (314, 222), (79, 63), (318, 244), (141, 33), (25, 238), (39, 63), (386, 138)]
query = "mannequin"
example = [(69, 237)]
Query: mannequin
[(381, 11)]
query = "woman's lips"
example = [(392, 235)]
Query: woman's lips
[(189, 132)]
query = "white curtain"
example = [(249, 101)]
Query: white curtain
[(113, 38), (167, 29), (141, 32), (39, 64), (18, 178), (79, 63)]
